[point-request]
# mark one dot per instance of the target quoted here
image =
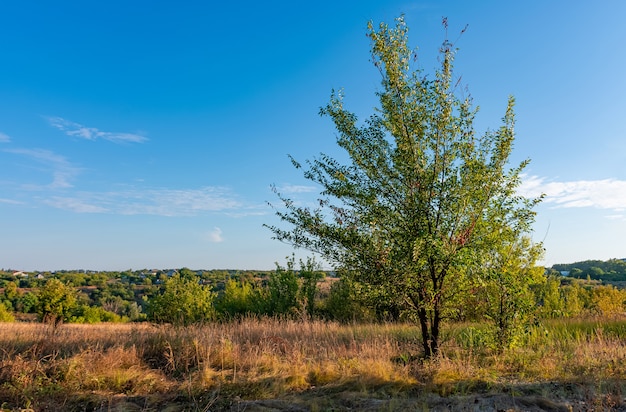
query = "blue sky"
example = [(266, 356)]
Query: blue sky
[(146, 134)]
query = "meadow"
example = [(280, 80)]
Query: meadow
[(273, 364)]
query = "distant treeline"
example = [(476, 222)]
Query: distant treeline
[(613, 270), (185, 296)]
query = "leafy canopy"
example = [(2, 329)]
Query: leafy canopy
[(425, 204)]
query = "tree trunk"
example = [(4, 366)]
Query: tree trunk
[(426, 335), (434, 331), (430, 331)]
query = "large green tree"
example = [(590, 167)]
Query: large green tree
[(424, 204)]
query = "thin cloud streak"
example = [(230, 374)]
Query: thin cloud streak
[(11, 202), (62, 171), (4, 138), (600, 194), (158, 202), (74, 205), (74, 129), (291, 189)]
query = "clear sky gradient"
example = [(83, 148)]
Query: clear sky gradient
[(146, 134)]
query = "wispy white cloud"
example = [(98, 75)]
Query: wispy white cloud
[(4, 138), (290, 189), (63, 172), (600, 194), (259, 210), (74, 205), (130, 200), (215, 235), (74, 129), (11, 201), (159, 202)]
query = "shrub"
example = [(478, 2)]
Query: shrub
[(95, 314), (343, 304), (607, 300), (238, 298), (282, 291), (183, 302), (5, 314), (56, 302)]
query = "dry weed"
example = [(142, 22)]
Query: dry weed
[(272, 358)]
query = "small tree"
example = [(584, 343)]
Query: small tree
[(183, 301), (551, 296), (56, 302), (345, 302), (415, 214), (239, 297), (573, 299), (30, 302), (5, 314), (282, 291), (607, 300), (309, 276), (510, 301), (12, 294)]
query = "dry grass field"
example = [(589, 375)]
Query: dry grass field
[(280, 365)]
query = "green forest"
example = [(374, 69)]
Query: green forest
[(613, 270), (187, 296)]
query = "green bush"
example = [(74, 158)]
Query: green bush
[(343, 303), (282, 291), (607, 300), (95, 314), (29, 302), (183, 302), (309, 276), (5, 314), (56, 302), (239, 297)]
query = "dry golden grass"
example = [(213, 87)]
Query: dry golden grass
[(84, 367)]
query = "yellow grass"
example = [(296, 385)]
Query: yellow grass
[(76, 365)]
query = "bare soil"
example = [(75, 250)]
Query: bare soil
[(554, 397)]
